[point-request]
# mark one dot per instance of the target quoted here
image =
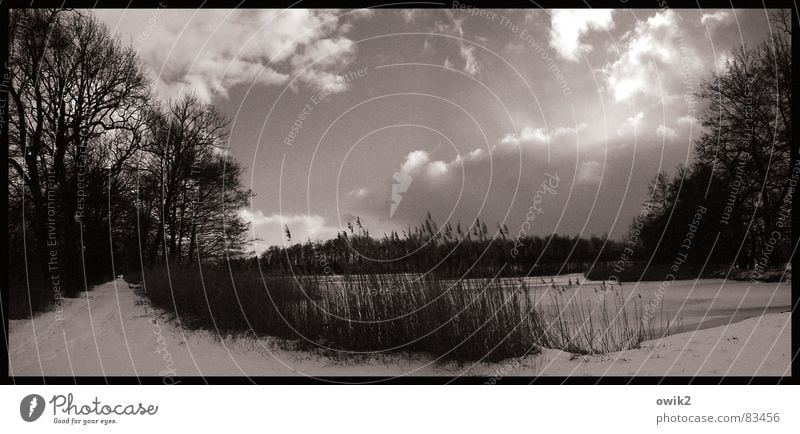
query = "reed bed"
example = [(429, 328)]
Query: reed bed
[(609, 321), (466, 320)]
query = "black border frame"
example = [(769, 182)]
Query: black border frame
[(6, 378)]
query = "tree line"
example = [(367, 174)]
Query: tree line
[(454, 250), (104, 176), (743, 171)]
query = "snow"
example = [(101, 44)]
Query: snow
[(110, 331)]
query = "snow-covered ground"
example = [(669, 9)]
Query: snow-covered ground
[(111, 332)]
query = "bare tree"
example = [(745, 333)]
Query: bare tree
[(748, 124), (195, 188), (72, 85)]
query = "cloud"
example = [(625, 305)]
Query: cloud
[(471, 64), (210, 51), (722, 61), (454, 27), (530, 135), (687, 120), (630, 125), (358, 193), (427, 49), (423, 180), (319, 62), (567, 26), (589, 172), (666, 132), (411, 15), (420, 163), (515, 48), (656, 60), (269, 229), (716, 19)]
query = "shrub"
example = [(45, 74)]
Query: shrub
[(463, 320)]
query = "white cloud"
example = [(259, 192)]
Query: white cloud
[(715, 19), (530, 135), (437, 182), (510, 139), (722, 60), (567, 26), (415, 159), (269, 229), (589, 172), (666, 132), (320, 61), (687, 120), (437, 168), (652, 60), (630, 125), (427, 48), (410, 15), (466, 50), (515, 48), (210, 51), (359, 192), (419, 162), (471, 64)]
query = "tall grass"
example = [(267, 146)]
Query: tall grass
[(608, 322), (466, 320)]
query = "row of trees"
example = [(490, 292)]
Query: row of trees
[(103, 176), (742, 171), (452, 251)]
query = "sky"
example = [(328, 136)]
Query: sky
[(392, 114)]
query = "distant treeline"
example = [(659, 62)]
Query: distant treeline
[(452, 251)]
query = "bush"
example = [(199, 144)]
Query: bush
[(463, 320)]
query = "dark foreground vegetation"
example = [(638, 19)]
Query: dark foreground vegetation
[(464, 320), (103, 176)]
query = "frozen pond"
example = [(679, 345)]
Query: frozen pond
[(685, 304)]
